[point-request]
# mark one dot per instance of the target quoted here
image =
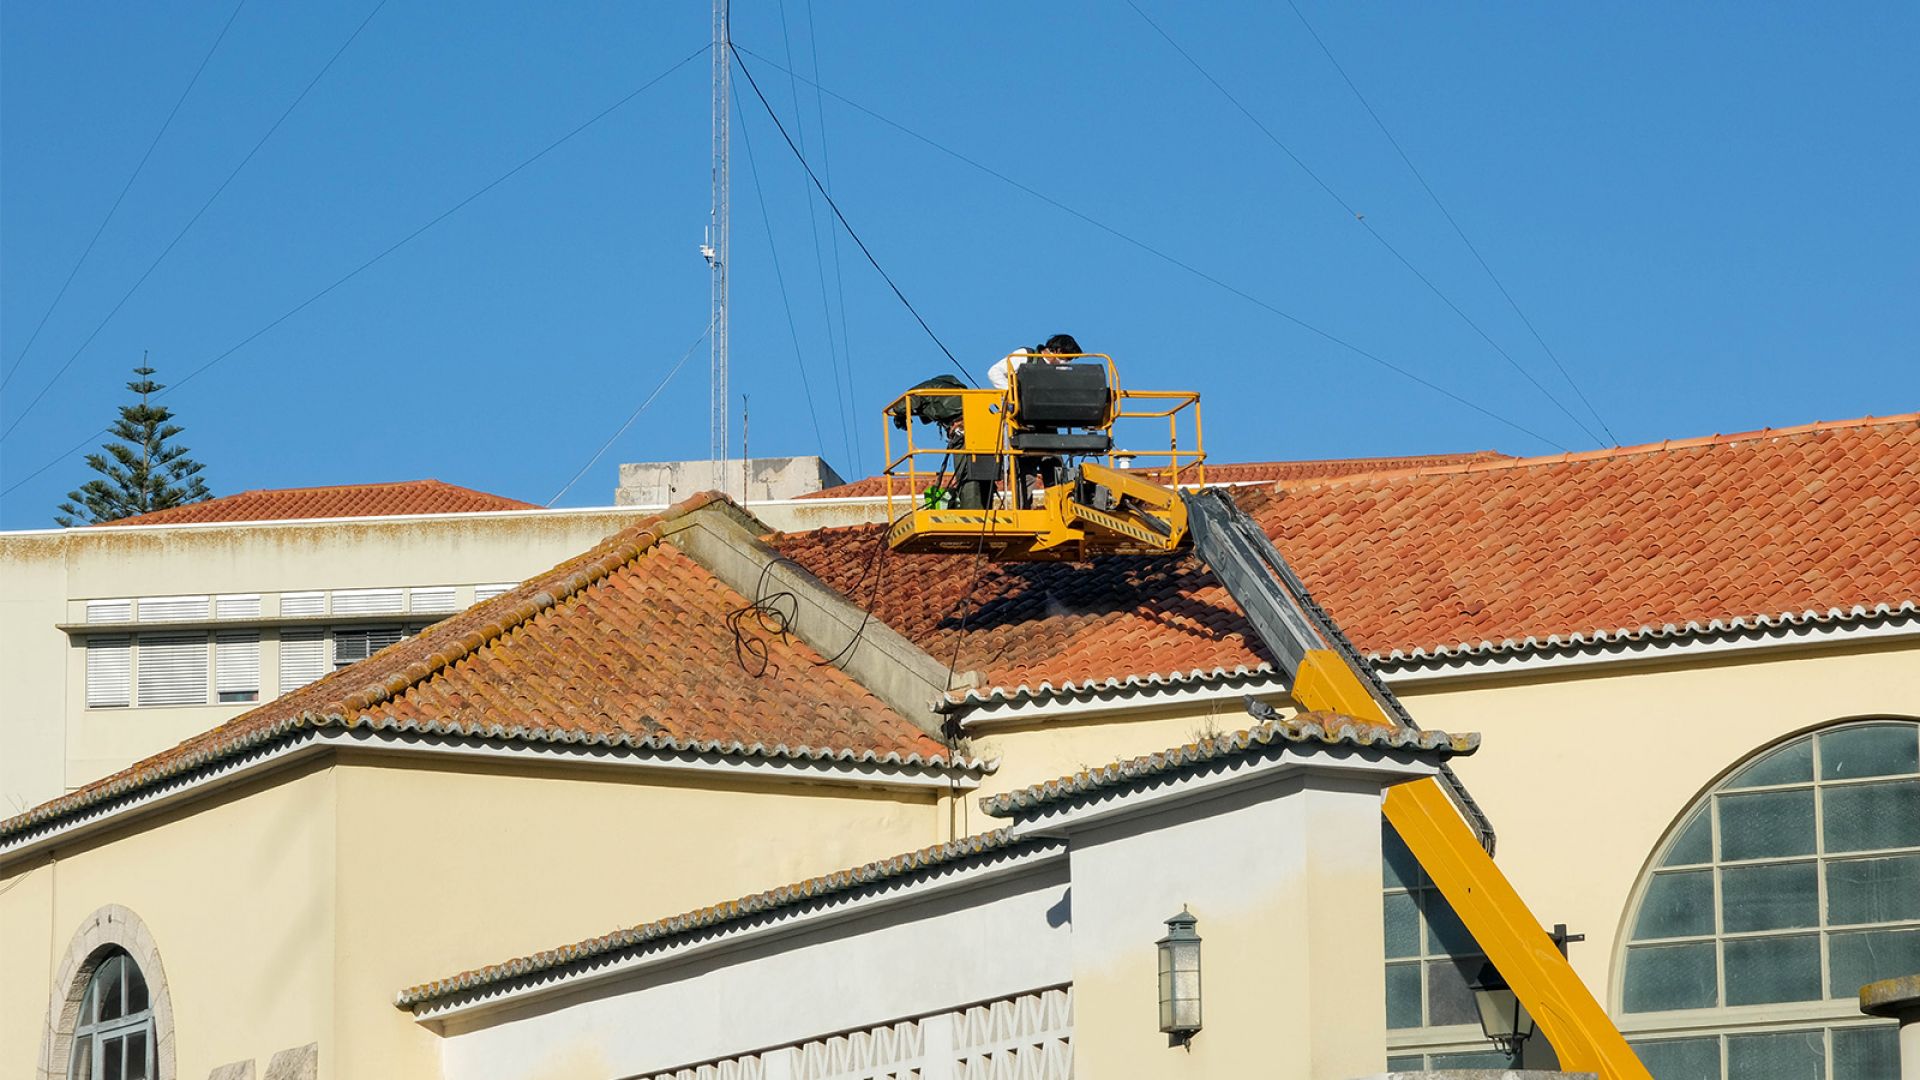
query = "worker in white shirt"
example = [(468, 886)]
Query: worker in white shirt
[(1040, 471), (1056, 351)]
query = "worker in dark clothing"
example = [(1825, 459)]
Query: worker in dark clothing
[(973, 474)]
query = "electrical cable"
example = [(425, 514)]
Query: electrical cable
[(128, 186), (1173, 260), (1363, 222), (844, 223), (635, 415), (1448, 214), (799, 359), (833, 239), (819, 266), (368, 264), (164, 252)]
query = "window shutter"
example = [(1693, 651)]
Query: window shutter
[(296, 604), (488, 592), (109, 672), (236, 607), (236, 666), (109, 611), (352, 646), (303, 658), (172, 608), (367, 601), (173, 669), (432, 601)]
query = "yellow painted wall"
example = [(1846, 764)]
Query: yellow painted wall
[(238, 897), (446, 869)]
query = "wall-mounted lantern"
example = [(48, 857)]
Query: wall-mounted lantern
[(1502, 1017), (1180, 979)]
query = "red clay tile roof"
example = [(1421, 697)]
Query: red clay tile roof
[(344, 501), (627, 645), (1234, 472), (1687, 535)]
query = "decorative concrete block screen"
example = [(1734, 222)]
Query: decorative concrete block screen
[(1028, 1037)]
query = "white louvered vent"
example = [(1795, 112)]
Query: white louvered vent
[(296, 604), (368, 601), (236, 666), (432, 601), (352, 646), (172, 608), (109, 611), (303, 658), (488, 592), (245, 606), (173, 669), (109, 672)]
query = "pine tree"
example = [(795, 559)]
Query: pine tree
[(140, 473)]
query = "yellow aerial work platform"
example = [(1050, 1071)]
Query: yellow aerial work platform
[(1092, 497)]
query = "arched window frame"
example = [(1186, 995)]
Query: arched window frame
[(1830, 1021), (107, 932), (113, 1033)]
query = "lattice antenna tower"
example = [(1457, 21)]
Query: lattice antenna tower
[(718, 235)]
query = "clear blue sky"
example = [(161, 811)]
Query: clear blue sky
[(1710, 212)]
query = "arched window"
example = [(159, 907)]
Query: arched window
[(113, 1035), (1784, 889)]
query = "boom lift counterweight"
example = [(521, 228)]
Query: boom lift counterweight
[(1095, 508)]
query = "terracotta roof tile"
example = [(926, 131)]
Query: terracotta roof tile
[(627, 645), (1236, 472), (344, 501), (1710, 533), (1326, 728)]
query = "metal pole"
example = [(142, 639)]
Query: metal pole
[(718, 234)]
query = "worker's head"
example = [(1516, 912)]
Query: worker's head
[(1060, 345)]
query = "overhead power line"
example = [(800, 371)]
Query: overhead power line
[(799, 358), (1361, 219), (370, 263), (835, 207), (1448, 214), (124, 188), (634, 415), (1166, 257), (168, 250)]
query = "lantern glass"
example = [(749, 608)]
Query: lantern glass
[(1503, 1018), (1180, 977)]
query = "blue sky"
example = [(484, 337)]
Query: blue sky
[(1708, 211)]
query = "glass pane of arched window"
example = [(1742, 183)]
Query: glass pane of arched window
[(1791, 764), (1786, 1055), (1869, 750), (107, 989), (1694, 845)]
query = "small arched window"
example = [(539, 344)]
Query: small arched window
[(113, 1035), (1785, 888)]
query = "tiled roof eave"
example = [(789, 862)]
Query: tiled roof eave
[(952, 854), (1200, 678), (209, 757), (1326, 729)]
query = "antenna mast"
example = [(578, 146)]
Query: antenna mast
[(718, 232)]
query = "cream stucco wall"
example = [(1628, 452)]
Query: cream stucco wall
[(444, 869), (238, 896)]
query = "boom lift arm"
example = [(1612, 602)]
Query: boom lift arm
[(1325, 672)]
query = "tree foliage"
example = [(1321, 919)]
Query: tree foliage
[(141, 472)]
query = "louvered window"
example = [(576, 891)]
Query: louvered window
[(353, 646), (367, 601), (488, 592), (109, 672), (303, 658), (172, 608), (236, 607), (173, 669), (295, 604), (109, 611), (432, 601), (236, 666)]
